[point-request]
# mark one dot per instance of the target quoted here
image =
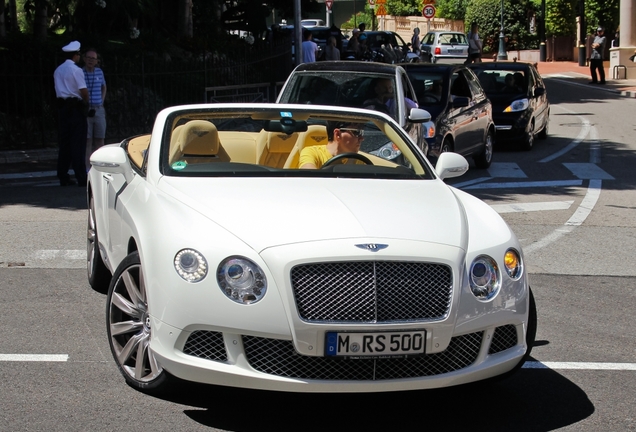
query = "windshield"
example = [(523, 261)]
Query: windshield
[(502, 82), (429, 86), (343, 89), (207, 142)]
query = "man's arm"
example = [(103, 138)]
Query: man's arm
[(84, 94)]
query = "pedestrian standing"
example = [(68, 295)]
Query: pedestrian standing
[(331, 51), (72, 102), (596, 57), (309, 47), (96, 121), (337, 34), (474, 45), (415, 41)]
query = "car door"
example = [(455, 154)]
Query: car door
[(460, 112), (481, 111), (540, 100), (415, 130)]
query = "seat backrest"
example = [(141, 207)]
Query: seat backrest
[(199, 142), (273, 148), (315, 135)]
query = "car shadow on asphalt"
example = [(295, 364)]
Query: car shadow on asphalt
[(529, 400)]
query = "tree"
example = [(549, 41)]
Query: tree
[(451, 9), (560, 17), (517, 16), (404, 7), (604, 13)]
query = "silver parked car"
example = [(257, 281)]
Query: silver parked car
[(439, 45)]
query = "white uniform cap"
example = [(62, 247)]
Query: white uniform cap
[(72, 47)]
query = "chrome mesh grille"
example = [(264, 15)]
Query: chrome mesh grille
[(207, 345), (505, 337), (372, 291), (278, 357)]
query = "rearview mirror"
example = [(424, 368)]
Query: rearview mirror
[(286, 125)]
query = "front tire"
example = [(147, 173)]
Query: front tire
[(484, 159), (129, 328), (544, 132), (98, 274), (528, 143)]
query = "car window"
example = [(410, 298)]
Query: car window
[(207, 143), (459, 85), (452, 39), (474, 85), (348, 89), (429, 39), (428, 86), (503, 81)]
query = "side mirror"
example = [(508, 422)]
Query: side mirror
[(112, 159), (451, 165), (460, 102), (419, 115), (539, 91)]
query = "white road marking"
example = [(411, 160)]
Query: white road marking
[(585, 130), (471, 182), (34, 357), (506, 169), (49, 254), (588, 170), (531, 184), (533, 206), (580, 366), (579, 216)]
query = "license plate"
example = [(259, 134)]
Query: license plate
[(454, 51), (375, 345)]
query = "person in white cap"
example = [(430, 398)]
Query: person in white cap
[(72, 101)]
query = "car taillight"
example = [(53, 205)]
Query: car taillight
[(438, 50)]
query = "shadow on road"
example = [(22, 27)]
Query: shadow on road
[(530, 400)]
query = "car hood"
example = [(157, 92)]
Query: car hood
[(267, 212)]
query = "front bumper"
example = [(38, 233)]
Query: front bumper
[(274, 348), (511, 128)]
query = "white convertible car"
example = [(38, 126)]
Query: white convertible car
[(232, 266)]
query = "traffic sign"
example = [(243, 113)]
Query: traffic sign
[(380, 9), (329, 3), (371, 2), (428, 11), (428, 2)]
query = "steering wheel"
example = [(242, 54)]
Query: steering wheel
[(357, 156), (432, 97)]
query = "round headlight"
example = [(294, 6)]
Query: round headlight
[(190, 265), (485, 279), (241, 280), (512, 263)]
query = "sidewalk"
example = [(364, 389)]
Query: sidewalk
[(565, 70)]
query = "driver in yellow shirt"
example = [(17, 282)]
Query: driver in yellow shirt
[(343, 138)]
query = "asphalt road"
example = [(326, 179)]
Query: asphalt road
[(571, 201)]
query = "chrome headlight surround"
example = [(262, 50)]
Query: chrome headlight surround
[(518, 105), (241, 280), (484, 277), (513, 264), (190, 265)]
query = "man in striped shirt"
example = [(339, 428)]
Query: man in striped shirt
[(96, 85)]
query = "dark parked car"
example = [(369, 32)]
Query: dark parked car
[(459, 108), (521, 109), (353, 84)]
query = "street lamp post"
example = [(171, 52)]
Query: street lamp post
[(502, 55)]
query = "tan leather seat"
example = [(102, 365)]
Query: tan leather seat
[(273, 148), (199, 142), (315, 135)]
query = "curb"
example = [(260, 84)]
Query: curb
[(33, 155)]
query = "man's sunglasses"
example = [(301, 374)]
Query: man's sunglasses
[(358, 133)]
